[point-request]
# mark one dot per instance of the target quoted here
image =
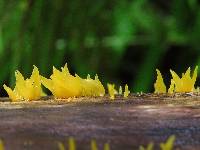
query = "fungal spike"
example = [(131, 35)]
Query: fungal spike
[(88, 76), (194, 77), (149, 147), (187, 73), (65, 70), (61, 146), (175, 77), (169, 143), (126, 92), (111, 91), (54, 69), (93, 145), (159, 85), (72, 144), (96, 77), (76, 75), (47, 83), (172, 87), (35, 80), (106, 146), (1, 145), (12, 95)]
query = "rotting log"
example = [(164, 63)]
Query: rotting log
[(124, 123)]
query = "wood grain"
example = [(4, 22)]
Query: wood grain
[(124, 123)]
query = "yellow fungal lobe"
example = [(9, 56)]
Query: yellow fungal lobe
[(106, 146), (64, 85), (171, 88), (1, 145), (111, 90), (184, 84), (72, 144), (92, 87), (25, 89), (126, 92), (61, 146), (149, 147), (93, 145), (169, 143), (159, 85)]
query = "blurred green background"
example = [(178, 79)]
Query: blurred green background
[(123, 41)]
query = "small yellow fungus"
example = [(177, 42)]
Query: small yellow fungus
[(72, 144), (26, 89), (149, 147), (182, 84), (106, 146), (64, 85), (159, 85), (126, 92), (169, 143), (172, 87), (120, 90), (164, 146), (93, 145), (61, 146), (185, 83), (111, 91), (1, 145)]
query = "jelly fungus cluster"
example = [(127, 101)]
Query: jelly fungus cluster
[(64, 85), (26, 89), (61, 83), (186, 83), (112, 91)]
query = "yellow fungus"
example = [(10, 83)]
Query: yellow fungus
[(149, 147), (106, 146), (26, 89), (111, 91), (182, 84), (64, 85), (159, 85), (126, 92), (185, 83), (120, 90), (72, 144), (61, 146), (93, 145), (169, 143), (1, 145), (171, 88)]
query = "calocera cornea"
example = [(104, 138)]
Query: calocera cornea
[(26, 89), (111, 91), (126, 91), (186, 83), (159, 85), (64, 85)]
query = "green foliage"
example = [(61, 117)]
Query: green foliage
[(94, 37)]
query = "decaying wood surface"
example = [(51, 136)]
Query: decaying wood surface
[(124, 123)]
